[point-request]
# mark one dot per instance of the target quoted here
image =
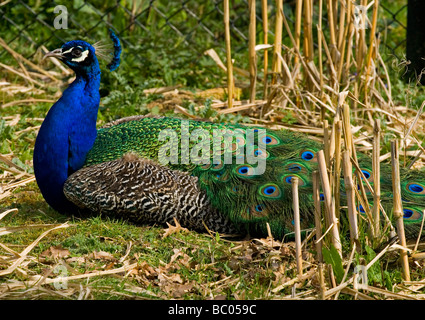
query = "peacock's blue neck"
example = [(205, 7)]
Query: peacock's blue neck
[(65, 137)]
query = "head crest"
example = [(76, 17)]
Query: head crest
[(104, 51)]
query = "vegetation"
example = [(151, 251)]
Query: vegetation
[(166, 73)]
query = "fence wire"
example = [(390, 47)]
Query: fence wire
[(193, 25)]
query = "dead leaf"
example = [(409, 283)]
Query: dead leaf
[(174, 229), (102, 255), (175, 277), (54, 253), (179, 258), (178, 290), (80, 260), (269, 242)]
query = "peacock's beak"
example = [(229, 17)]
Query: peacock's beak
[(57, 53)]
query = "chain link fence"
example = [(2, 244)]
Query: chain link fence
[(184, 29)]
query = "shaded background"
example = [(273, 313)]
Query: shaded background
[(166, 40)]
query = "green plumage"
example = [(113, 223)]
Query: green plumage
[(249, 200)]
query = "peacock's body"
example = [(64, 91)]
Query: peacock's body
[(154, 169)]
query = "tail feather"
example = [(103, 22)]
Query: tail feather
[(235, 189)]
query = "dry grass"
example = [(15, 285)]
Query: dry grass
[(334, 92)]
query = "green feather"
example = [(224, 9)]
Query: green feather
[(251, 201)]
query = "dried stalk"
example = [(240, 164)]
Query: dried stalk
[(297, 227), (376, 173), (265, 41), (337, 166), (349, 187), (397, 208), (317, 216), (228, 53), (252, 53), (328, 201), (297, 34), (277, 49)]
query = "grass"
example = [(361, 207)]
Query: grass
[(181, 265), (111, 259)]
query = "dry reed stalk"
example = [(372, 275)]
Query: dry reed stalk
[(332, 31), (310, 273), (341, 28), (321, 281), (317, 216), (360, 47), (311, 72), (3, 214), (22, 75), (41, 280), (24, 253), (297, 34), (333, 73), (337, 167), (420, 232), (376, 173), (18, 57), (372, 37), (344, 30), (326, 142), (16, 102), (372, 45), (349, 187), (277, 49), (397, 208), (328, 201), (265, 41), (319, 43), (349, 55), (228, 53), (308, 31), (252, 53), (297, 227), (308, 40)]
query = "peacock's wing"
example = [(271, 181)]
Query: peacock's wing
[(248, 199), (140, 190)]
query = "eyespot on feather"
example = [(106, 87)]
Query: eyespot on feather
[(270, 190), (288, 179), (411, 215), (368, 175), (262, 154), (205, 166), (222, 176), (270, 140), (295, 167), (415, 188), (258, 211), (245, 170), (217, 166), (308, 155)]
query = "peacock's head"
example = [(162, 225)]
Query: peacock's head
[(79, 55)]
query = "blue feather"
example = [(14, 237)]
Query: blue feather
[(115, 62)]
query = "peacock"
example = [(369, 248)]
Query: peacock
[(227, 178)]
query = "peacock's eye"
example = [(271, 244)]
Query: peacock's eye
[(76, 52)]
